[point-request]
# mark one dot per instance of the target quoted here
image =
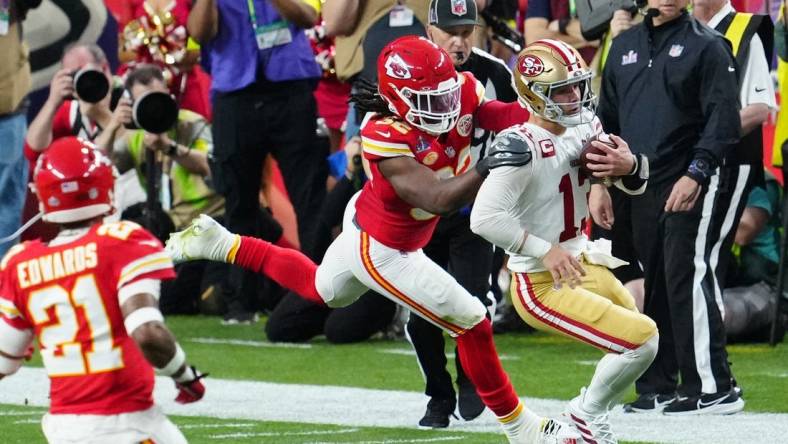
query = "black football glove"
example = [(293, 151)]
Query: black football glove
[(508, 149)]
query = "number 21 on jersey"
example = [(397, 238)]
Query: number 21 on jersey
[(56, 309)]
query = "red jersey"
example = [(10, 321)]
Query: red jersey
[(380, 212), (68, 295)]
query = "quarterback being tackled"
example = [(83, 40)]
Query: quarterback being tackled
[(537, 211)]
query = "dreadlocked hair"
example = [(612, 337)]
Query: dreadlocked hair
[(368, 100)]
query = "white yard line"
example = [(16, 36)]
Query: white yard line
[(248, 343), (276, 434), (356, 407), (449, 356), (218, 425), (392, 441)]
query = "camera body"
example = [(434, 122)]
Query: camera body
[(90, 84), (595, 15), (154, 111)]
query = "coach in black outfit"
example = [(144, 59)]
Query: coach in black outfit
[(454, 246), (670, 88)]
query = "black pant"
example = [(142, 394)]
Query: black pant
[(297, 320), (248, 124), (468, 258), (680, 252), (621, 237)]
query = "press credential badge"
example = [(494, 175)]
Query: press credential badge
[(400, 16), (272, 35)]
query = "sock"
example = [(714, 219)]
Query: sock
[(614, 373), (289, 268), (522, 423), (482, 366)]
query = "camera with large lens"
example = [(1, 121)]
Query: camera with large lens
[(90, 84), (154, 111), (595, 15)]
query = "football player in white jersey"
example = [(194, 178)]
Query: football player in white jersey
[(561, 281)]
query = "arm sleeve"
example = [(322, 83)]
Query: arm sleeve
[(719, 100), (496, 116), (491, 216)]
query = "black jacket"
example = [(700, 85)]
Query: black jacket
[(672, 93)]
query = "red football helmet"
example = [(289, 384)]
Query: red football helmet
[(418, 80), (73, 181)]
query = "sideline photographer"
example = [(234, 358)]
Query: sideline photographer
[(168, 150), (72, 111)]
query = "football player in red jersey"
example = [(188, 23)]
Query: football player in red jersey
[(417, 142), (90, 298)]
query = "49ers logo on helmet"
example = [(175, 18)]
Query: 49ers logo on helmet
[(530, 65), (397, 68)]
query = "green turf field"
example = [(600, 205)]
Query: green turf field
[(540, 366)]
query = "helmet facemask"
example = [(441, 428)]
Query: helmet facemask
[(554, 111), (435, 111)]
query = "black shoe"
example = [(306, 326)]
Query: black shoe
[(649, 402), (469, 402), (438, 412), (720, 403)]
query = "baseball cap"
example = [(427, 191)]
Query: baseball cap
[(447, 13)]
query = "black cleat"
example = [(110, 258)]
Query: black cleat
[(437, 414)]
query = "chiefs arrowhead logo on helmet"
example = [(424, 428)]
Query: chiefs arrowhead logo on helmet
[(397, 68), (530, 65)]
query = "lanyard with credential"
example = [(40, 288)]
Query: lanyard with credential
[(268, 36), (252, 14)]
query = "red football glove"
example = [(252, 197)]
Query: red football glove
[(192, 390)]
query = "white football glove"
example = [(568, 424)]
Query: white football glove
[(203, 239)]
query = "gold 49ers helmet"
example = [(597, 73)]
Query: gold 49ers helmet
[(545, 66)]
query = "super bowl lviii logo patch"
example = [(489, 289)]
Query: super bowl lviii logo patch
[(530, 65), (459, 7), (397, 68)]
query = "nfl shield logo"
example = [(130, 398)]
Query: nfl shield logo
[(458, 7), (675, 50)]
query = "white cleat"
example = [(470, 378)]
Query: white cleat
[(539, 431), (594, 429), (556, 432), (203, 239)]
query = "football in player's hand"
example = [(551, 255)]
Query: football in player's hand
[(590, 148)]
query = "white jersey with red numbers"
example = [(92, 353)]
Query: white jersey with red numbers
[(67, 293), (551, 191), (381, 213)]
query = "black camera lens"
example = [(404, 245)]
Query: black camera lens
[(91, 85), (155, 112)]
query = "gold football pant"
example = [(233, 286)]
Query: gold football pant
[(600, 312)]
